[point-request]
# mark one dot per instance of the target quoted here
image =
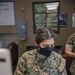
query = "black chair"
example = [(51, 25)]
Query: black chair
[(14, 54)]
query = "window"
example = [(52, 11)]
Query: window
[(46, 14)]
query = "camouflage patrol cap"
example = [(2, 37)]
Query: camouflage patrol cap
[(43, 34)]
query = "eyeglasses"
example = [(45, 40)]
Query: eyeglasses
[(47, 45)]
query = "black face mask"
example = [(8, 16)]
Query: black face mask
[(46, 51)]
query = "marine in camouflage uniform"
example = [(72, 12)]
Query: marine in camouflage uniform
[(30, 64), (42, 61), (71, 44)]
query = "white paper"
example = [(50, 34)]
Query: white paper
[(73, 20), (7, 16)]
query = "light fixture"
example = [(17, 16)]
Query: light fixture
[(53, 8)]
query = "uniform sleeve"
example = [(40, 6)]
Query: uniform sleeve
[(21, 67), (62, 66), (69, 43)]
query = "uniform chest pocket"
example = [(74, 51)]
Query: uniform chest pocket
[(32, 69), (51, 67), (52, 64)]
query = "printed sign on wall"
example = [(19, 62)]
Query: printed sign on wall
[(63, 19), (7, 16)]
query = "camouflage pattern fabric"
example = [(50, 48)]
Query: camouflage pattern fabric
[(71, 44), (28, 64)]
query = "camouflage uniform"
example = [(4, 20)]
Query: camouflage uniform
[(29, 65), (71, 44)]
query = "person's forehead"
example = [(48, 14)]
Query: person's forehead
[(48, 41)]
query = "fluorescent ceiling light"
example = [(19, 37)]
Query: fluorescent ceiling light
[(48, 4), (53, 8)]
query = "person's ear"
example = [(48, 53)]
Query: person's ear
[(41, 45)]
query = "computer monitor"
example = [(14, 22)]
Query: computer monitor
[(5, 62)]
